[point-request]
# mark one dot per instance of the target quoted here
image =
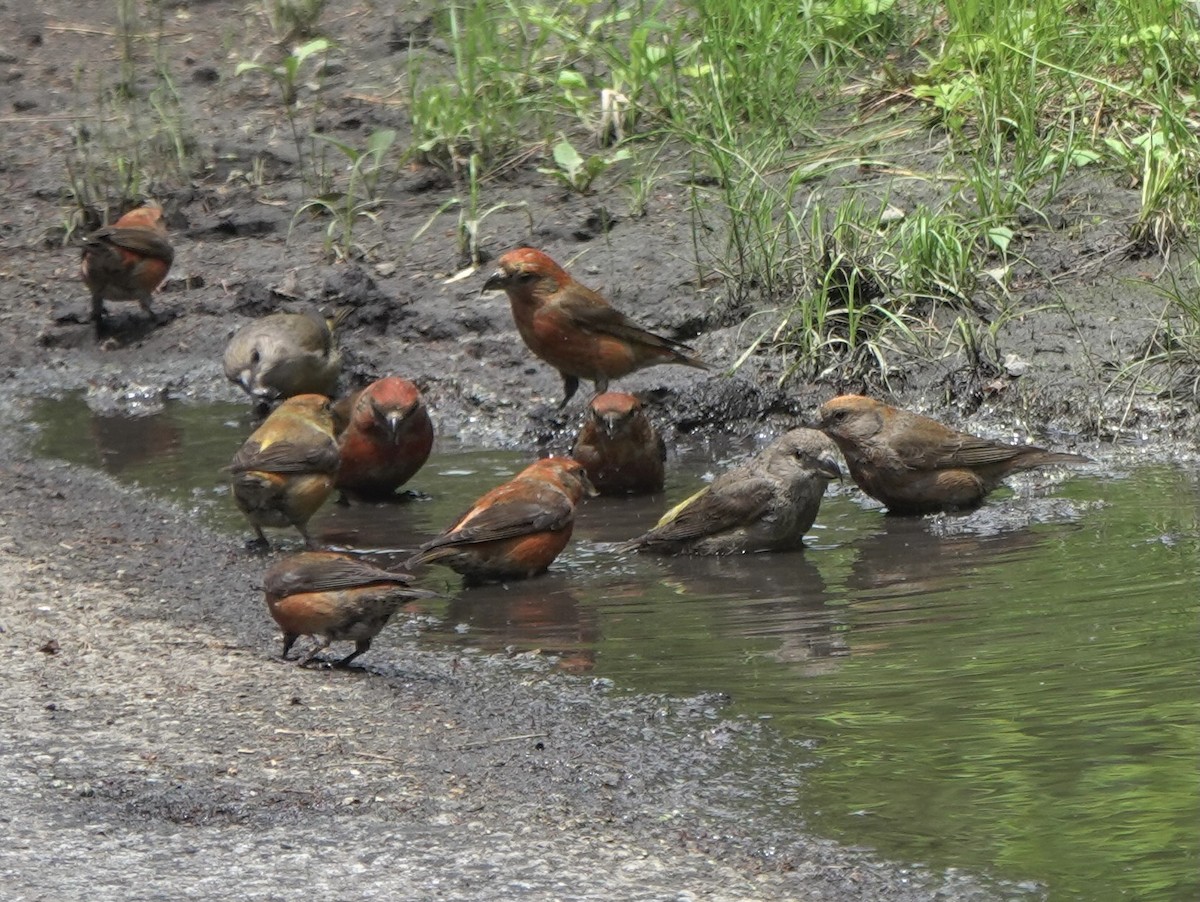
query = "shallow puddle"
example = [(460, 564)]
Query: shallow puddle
[(1012, 692)]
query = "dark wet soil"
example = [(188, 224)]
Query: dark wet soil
[(154, 741)]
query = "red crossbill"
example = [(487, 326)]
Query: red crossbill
[(286, 468), (335, 596), (573, 328), (386, 436), (126, 261), (285, 354), (916, 465), (517, 529), (765, 504), (619, 447)]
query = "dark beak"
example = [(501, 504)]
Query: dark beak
[(497, 281), (828, 467)]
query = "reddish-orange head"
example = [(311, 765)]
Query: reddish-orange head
[(388, 404), (143, 218), (565, 472), (613, 411), (852, 418), (527, 271)]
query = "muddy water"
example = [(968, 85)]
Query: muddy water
[(1013, 692)]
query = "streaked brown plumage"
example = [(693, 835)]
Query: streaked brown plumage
[(765, 504), (386, 436), (334, 596), (285, 470), (285, 354), (916, 465), (126, 261), (517, 529), (620, 447), (573, 328)]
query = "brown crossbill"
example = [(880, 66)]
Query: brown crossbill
[(334, 596), (286, 468), (285, 354), (517, 529), (573, 328), (619, 446), (915, 465), (765, 504), (386, 436), (126, 261)]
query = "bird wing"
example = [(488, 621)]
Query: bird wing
[(327, 575), (714, 510), (140, 241), (591, 312), (286, 457), (958, 449), (536, 509)]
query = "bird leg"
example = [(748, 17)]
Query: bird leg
[(314, 651), (570, 386), (259, 544), (98, 314), (359, 647), (289, 639)]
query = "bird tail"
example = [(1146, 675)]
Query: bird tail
[(1045, 458)]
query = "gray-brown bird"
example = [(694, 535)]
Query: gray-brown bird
[(126, 261), (620, 447), (335, 597), (765, 504), (916, 465), (286, 469), (574, 329), (285, 354)]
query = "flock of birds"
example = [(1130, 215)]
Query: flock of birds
[(370, 443)]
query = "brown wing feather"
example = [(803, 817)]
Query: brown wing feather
[(712, 512), (286, 457), (590, 311), (547, 510), (956, 449), (327, 575), (141, 241)]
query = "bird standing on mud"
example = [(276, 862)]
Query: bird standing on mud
[(285, 354), (386, 436), (619, 446), (286, 468), (517, 529), (126, 261), (335, 596), (916, 465), (765, 504), (573, 328)]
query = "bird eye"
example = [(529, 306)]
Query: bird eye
[(526, 276), (254, 357)]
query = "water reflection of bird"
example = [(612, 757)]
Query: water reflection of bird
[(765, 504), (904, 560), (620, 447), (285, 354), (336, 597), (517, 529), (573, 328), (916, 465), (385, 438), (285, 470), (124, 441), (126, 261), (546, 616)]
